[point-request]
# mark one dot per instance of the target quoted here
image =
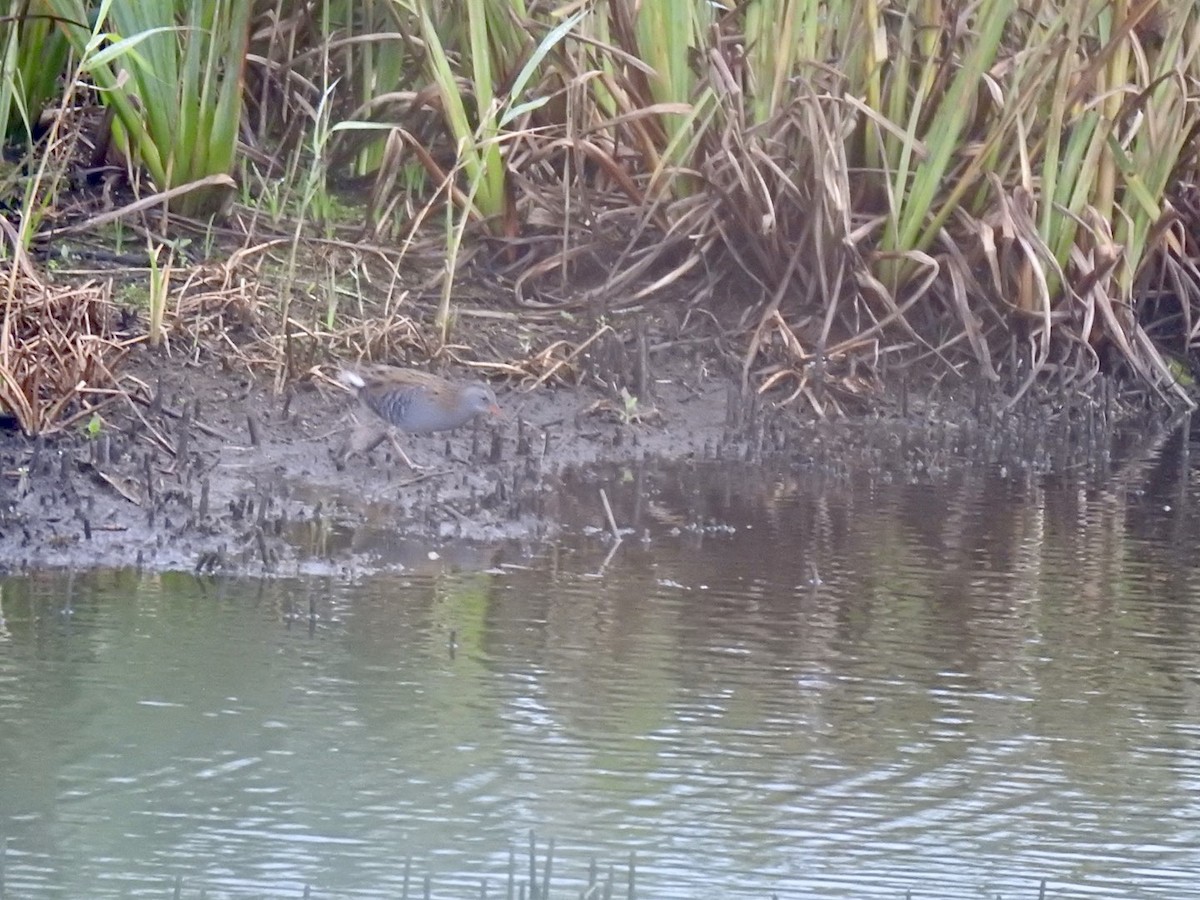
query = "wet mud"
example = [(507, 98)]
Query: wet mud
[(214, 472)]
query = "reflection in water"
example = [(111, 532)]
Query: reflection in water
[(846, 689)]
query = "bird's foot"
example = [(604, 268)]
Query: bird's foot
[(404, 456)]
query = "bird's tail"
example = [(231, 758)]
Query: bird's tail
[(351, 379)]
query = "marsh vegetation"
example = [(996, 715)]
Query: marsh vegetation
[(822, 194)]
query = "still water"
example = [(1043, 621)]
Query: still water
[(777, 685)]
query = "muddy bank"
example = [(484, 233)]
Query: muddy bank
[(214, 472)]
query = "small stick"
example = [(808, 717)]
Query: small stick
[(181, 441), (261, 538), (156, 435), (642, 370), (570, 356), (175, 414), (156, 400), (608, 557), (612, 522)]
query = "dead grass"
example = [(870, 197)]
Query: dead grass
[(609, 219), (60, 354)]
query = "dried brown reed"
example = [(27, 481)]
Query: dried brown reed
[(60, 356)]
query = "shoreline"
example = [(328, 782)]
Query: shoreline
[(221, 476)]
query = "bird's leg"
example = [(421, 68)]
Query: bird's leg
[(366, 438), (363, 439), (404, 456)]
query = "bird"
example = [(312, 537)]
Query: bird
[(414, 401)]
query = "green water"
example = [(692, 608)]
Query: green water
[(796, 687)]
